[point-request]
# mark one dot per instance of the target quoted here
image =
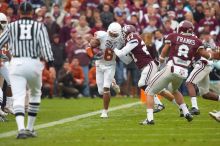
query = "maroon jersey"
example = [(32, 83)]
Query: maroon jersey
[(140, 52), (211, 22), (183, 48)]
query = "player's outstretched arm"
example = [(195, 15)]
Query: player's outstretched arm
[(164, 53), (209, 54)]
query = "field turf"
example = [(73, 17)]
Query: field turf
[(121, 128)]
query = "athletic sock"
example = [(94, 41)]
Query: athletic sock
[(30, 122), (157, 100), (184, 108), (32, 114), (219, 98), (194, 102), (150, 115), (20, 122)]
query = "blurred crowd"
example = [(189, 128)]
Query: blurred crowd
[(71, 24)]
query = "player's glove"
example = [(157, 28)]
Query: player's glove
[(109, 44), (98, 56)]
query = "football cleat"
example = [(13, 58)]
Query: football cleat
[(181, 113), (31, 133), (215, 115), (104, 115), (189, 117), (194, 111), (158, 108), (22, 134), (115, 87), (146, 122)]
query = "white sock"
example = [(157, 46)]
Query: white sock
[(105, 111), (219, 98), (184, 108), (194, 102), (157, 100), (30, 122), (20, 122), (150, 115)]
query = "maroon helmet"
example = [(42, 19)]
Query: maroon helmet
[(185, 27), (127, 29)]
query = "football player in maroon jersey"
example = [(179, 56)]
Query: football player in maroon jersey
[(180, 48), (145, 60)]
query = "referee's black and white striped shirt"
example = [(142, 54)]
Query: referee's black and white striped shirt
[(27, 38)]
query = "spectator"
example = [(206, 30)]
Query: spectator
[(58, 52), (65, 82), (98, 26), (37, 3), (189, 17), (65, 30), (51, 25), (72, 3), (75, 15), (167, 27), (70, 44), (198, 14), (190, 6), (92, 82), (180, 13), (152, 25), (208, 21), (79, 52), (89, 17), (82, 28), (106, 16), (39, 15), (78, 76), (57, 14), (120, 17), (14, 5), (172, 16), (47, 83), (134, 21), (3, 6), (10, 15)]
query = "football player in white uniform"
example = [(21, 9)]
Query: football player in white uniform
[(105, 61), (4, 75), (200, 77)]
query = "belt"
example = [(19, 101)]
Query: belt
[(33, 57)]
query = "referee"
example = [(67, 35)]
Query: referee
[(28, 41)]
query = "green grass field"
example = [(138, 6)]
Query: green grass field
[(121, 129)]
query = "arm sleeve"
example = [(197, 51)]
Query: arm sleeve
[(126, 59), (126, 49), (4, 37), (45, 45)]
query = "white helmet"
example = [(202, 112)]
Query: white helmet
[(114, 30), (3, 21)]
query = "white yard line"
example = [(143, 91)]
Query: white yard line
[(70, 119)]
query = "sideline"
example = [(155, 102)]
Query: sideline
[(70, 119)]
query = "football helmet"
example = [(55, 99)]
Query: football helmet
[(3, 21), (127, 29), (114, 30), (185, 27)]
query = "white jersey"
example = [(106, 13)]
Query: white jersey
[(103, 37)]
